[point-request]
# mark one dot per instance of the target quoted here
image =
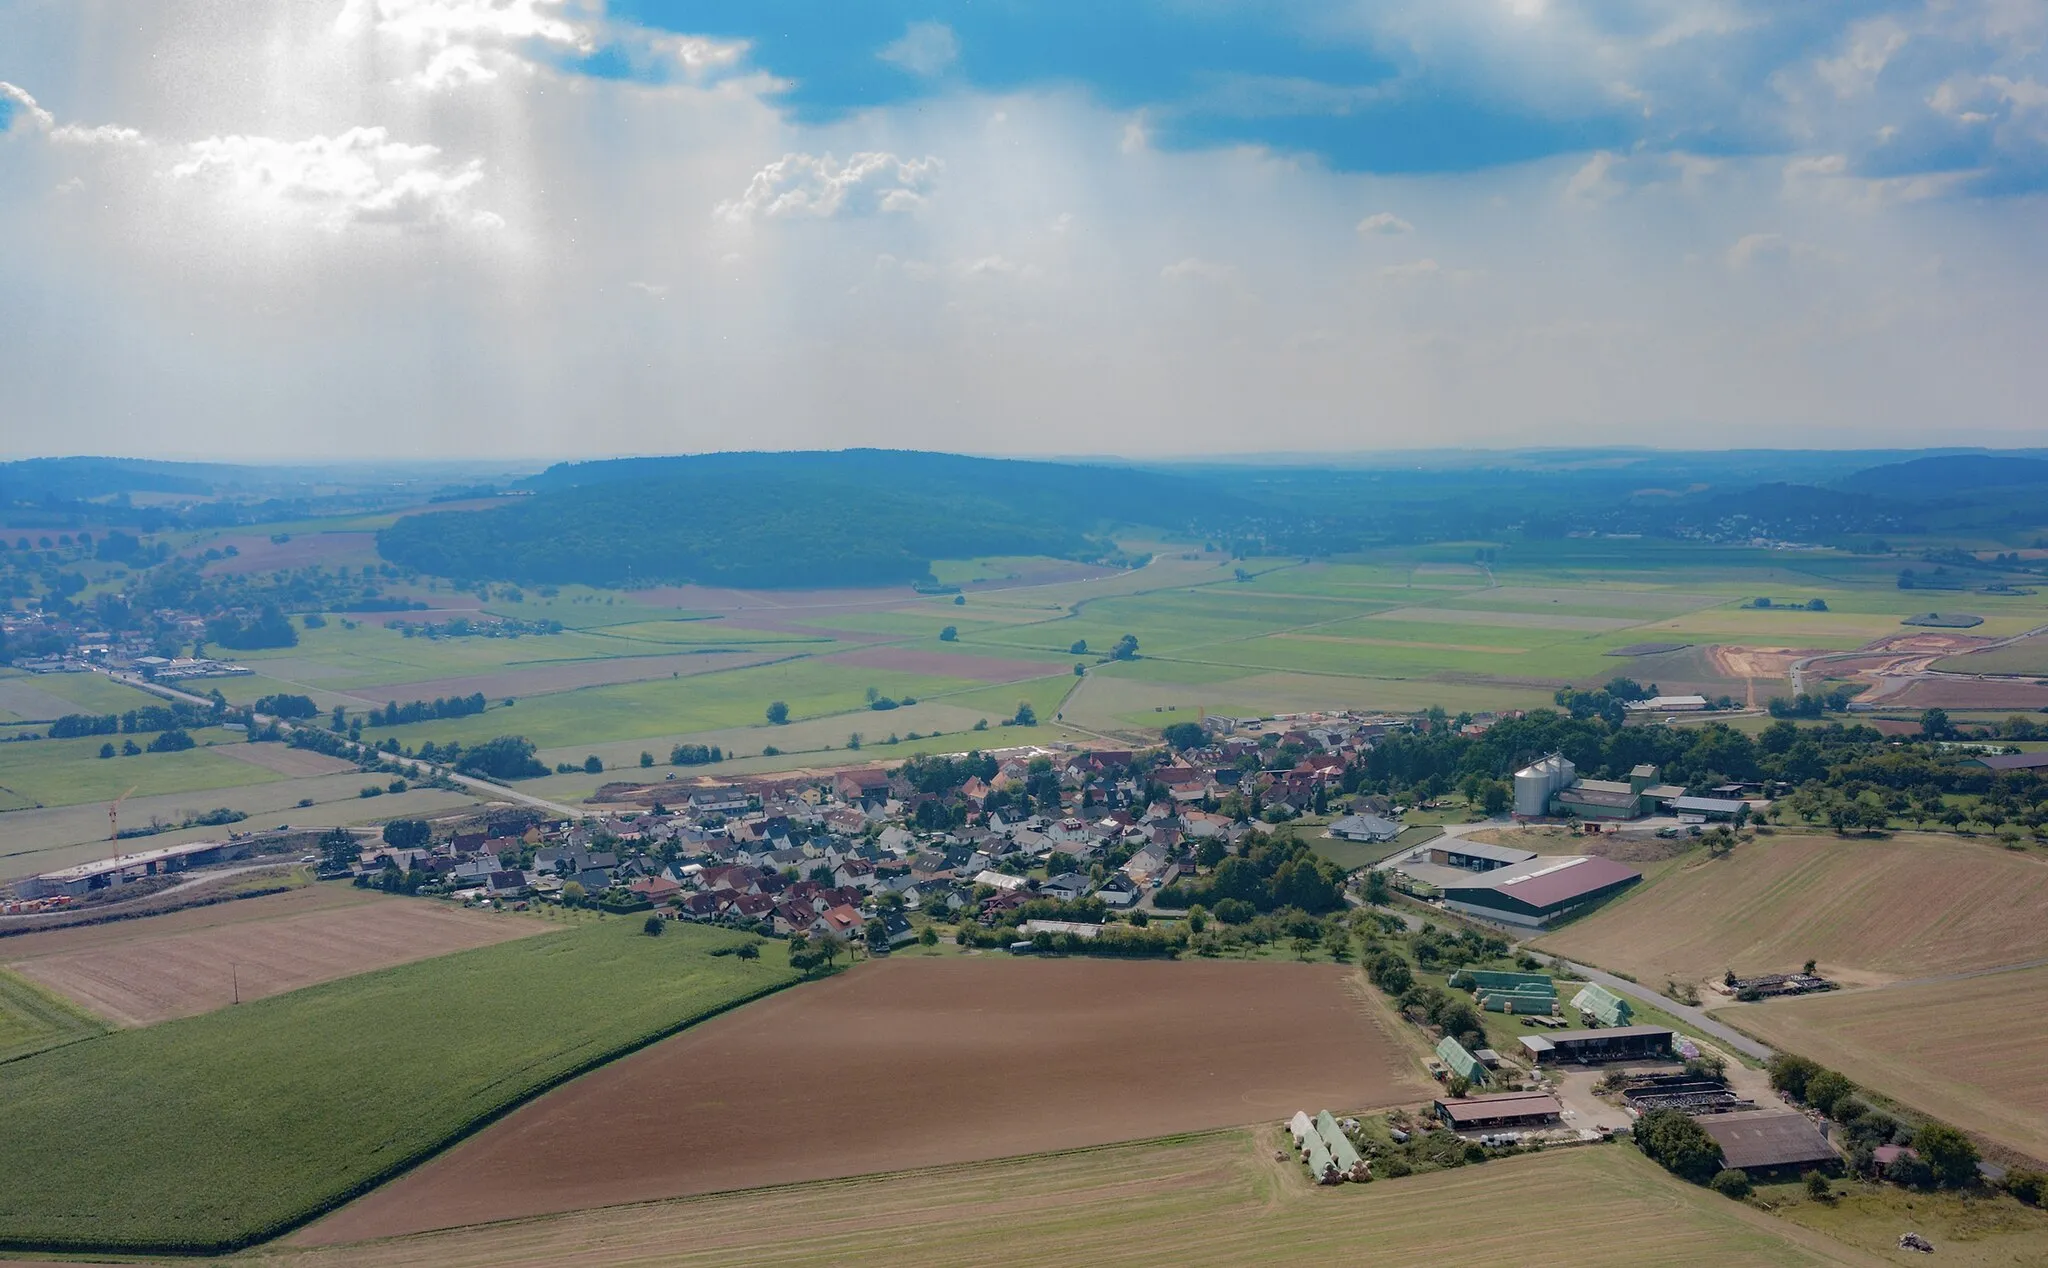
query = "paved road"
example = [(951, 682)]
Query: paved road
[(486, 787)]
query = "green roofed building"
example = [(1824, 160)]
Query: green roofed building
[(1519, 1003), (1604, 1006), (1318, 1159), (1497, 980), (1461, 1062)]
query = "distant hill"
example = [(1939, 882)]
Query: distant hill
[(772, 520), (1947, 474)]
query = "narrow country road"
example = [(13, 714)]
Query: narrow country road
[(484, 786)]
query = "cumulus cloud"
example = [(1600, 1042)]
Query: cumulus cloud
[(1384, 222), (24, 106), (925, 48), (809, 186), (360, 176), (1592, 183), (442, 23)]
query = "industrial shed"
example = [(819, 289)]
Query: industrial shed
[(1622, 1043), (1539, 891), (1769, 1140), (1510, 1109)]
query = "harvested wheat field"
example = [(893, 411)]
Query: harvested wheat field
[(299, 763), (1217, 1198), (136, 972), (915, 1062), (1870, 911), (1967, 1051)]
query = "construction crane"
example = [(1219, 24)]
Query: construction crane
[(114, 814)]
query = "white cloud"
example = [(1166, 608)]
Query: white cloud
[(25, 107), (1195, 269), (360, 176), (991, 266), (41, 120), (456, 66), (1384, 222), (925, 48), (1592, 182), (1753, 245), (1870, 49), (820, 186), (1412, 270), (441, 23)]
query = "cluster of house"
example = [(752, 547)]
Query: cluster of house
[(814, 855)]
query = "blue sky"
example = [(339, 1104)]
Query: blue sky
[(565, 227)]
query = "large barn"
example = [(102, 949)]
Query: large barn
[(1618, 1043), (1769, 1140), (1540, 890)]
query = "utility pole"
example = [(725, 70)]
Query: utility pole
[(235, 973)]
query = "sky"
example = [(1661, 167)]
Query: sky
[(270, 229)]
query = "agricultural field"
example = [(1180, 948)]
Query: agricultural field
[(932, 1062), (32, 1019), (2028, 656), (1869, 911), (1213, 1199), (136, 973), (239, 1123), (67, 772), (42, 697), (1966, 1051), (40, 840)]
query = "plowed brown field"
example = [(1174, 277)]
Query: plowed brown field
[(917, 1062), (137, 972), (1869, 911)]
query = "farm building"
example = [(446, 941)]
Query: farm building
[(1365, 828), (1769, 1140), (1460, 1062), (1329, 1154), (1724, 809), (1510, 1109), (1668, 704), (1603, 1006), (1540, 890), (1514, 993), (2010, 761), (1622, 1043), (1476, 856), (1553, 787)]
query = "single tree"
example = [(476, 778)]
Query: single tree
[(653, 926), (778, 713)]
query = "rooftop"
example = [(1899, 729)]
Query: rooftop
[(1767, 1138), (1548, 882)]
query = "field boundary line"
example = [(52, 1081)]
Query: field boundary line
[(425, 1153)]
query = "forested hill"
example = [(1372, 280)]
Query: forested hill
[(767, 520), (1949, 474)]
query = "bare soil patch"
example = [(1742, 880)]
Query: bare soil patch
[(135, 973), (1622, 847), (945, 664), (1757, 662), (286, 760), (1869, 911), (916, 1062)]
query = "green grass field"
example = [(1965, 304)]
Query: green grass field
[(68, 772), (90, 693), (216, 1130), (32, 1019)]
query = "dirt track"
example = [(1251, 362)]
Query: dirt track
[(915, 1062)]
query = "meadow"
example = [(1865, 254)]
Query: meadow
[(1867, 910), (68, 772), (33, 1019), (1217, 1198), (220, 1130)]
